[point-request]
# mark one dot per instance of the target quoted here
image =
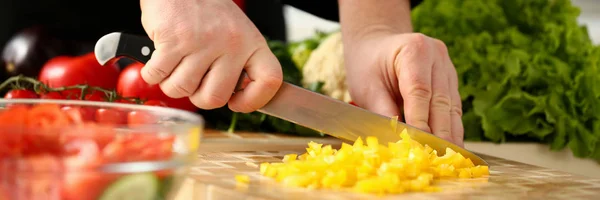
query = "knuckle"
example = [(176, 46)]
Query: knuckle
[(210, 101), (242, 106), (457, 109), (274, 81), (420, 92), (441, 47), (417, 46), (419, 88), (441, 101), (182, 89), (419, 40), (157, 73)]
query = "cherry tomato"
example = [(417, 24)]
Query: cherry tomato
[(67, 71), (136, 118), (80, 115), (53, 95), (111, 116), (12, 120), (155, 103), (79, 183), (131, 84), (96, 96), (21, 94), (46, 115), (45, 122)]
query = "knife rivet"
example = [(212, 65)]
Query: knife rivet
[(145, 51)]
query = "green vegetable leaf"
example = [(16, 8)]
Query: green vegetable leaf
[(526, 68)]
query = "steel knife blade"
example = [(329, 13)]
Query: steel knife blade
[(298, 105)]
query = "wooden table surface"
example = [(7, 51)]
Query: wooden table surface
[(224, 155)]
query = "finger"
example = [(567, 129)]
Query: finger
[(218, 84), (456, 105), (160, 65), (186, 77), (440, 120), (266, 74), (380, 101), (414, 77)]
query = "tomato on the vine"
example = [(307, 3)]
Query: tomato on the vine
[(135, 118), (155, 103), (52, 95), (68, 71), (80, 114), (131, 84), (96, 96), (21, 94), (111, 116)]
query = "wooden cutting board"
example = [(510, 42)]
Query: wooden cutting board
[(212, 176)]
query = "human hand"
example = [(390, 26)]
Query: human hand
[(388, 73), (202, 46)]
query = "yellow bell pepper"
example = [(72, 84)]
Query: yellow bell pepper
[(369, 167)]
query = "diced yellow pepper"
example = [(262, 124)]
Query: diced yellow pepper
[(289, 157), (370, 167), (242, 178)]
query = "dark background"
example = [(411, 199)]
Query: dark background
[(87, 21)]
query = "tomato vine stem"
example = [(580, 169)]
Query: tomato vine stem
[(16, 82)]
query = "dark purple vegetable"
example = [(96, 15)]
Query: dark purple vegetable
[(27, 51)]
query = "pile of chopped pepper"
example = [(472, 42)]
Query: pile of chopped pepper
[(403, 166)]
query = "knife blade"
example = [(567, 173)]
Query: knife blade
[(298, 105)]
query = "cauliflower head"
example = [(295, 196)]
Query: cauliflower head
[(326, 64)]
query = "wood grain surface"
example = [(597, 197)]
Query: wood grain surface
[(212, 175)]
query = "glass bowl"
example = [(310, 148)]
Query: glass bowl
[(85, 150)]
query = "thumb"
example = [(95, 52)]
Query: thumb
[(379, 101)]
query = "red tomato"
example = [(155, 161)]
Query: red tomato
[(79, 183), (135, 118), (111, 116), (86, 185), (96, 96), (241, 4), (100, 134), (81, 154), (79, 115), (46, 116), (131, 84), (53, 95), (67, 71), (38, 181), (155, 103), (13, 120), (44, 123), (21, 94), (139, 147)]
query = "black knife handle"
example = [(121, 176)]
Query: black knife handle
[(135, 47), (140, 48)]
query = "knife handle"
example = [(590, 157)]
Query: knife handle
[(140, 48)]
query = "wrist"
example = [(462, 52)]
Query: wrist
[(362, 19)]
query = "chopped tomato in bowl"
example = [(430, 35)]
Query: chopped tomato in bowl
[(66, 149)]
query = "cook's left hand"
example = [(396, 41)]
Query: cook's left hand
[(390, 72)]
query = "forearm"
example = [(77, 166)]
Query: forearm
[(360, 17)]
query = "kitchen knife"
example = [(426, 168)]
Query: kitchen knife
[(298, 105)]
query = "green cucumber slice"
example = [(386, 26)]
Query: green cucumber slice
[(143, 186), (165, 187)]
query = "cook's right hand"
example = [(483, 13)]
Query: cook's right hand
[(202, 47)]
